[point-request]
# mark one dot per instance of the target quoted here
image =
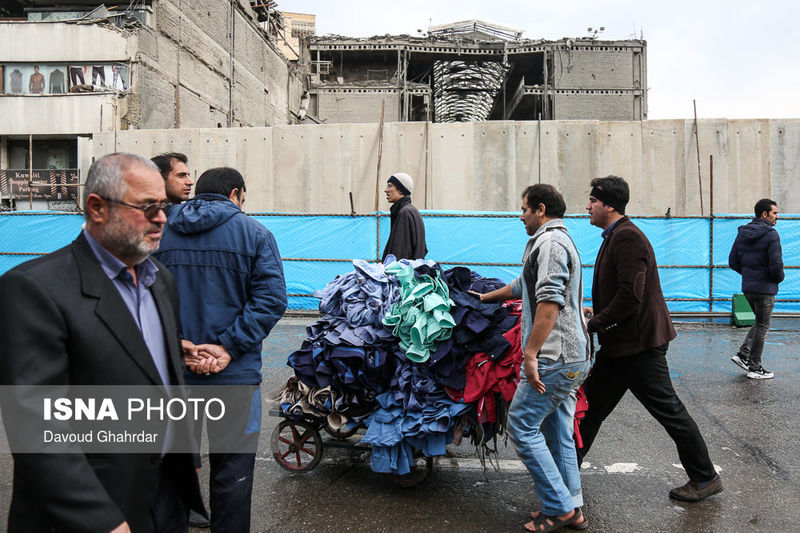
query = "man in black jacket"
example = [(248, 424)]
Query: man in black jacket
[(407, 236), (756, 255), (634, 329), (96, 312)]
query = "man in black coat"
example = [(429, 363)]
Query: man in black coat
[(756, 255), (634, 329), (407, 235), (97, 312)]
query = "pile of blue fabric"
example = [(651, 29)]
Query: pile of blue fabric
[(347, 349), (354, 369), (414, 414)]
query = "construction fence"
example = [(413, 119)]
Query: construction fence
[(692, 252)]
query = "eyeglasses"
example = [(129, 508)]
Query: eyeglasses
[(150, 210)]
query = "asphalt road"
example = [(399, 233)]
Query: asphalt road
[(749, 426)]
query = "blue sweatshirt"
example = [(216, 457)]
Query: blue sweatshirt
[(230, 282)]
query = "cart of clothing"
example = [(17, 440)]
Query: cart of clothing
[(408, 351)]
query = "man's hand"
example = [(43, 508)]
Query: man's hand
[(588, 315), (194, 360), (218, 354), (477, 294), (500, 295), (202, 365), (122, 528), (531, 366), (189, 350)]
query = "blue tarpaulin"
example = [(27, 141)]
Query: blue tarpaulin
[(317, 248)]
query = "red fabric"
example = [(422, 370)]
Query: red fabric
[(487, 377), (580, 412)]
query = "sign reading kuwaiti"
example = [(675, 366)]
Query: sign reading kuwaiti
[(46, 184)]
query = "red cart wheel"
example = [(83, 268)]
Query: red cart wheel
[(296, 445)]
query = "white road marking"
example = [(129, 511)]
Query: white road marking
[(505, 465), (469, 463), (622, 468)]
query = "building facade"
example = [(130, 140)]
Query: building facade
[(68, 73), (473, 71)]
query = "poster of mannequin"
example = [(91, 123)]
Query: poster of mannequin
[(61, 79), (114, 76), (35, 79)]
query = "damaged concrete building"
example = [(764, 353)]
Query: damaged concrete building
[(72, 68), (74, 71), (473, 71)]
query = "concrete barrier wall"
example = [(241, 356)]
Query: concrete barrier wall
[(486, 165)]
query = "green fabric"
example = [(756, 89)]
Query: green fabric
[(421, 319)]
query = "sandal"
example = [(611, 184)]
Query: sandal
[(575, 525), (583, 525), (544, 524)]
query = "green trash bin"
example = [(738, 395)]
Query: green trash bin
[(741, 313)]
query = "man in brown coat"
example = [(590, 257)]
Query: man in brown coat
[(634, 329)]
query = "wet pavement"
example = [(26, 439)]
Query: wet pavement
[(749, 426)]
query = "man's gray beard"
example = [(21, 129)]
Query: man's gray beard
[(123, 242)]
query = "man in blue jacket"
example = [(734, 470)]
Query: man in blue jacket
[(756, 255), (232, 292)]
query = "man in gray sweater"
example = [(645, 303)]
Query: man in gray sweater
[(556, 359)]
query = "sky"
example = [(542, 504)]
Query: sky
[(736, 59)]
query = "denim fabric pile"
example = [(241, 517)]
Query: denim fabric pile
[(390, 353)]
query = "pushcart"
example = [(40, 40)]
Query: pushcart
[(297, 446)]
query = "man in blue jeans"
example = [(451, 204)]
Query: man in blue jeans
[(756, 255), (556, 360)]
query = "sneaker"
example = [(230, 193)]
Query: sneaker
[(743, 363), (694, 491), (760, 372)]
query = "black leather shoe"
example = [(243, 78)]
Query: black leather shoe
[(198, 520), (692, 493)]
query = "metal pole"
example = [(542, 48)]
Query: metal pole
[(378, 233), (697, 144), (231, 57), (378, 185), (116, 114), (30, 170), (545, 74), (380, 153), (539, 135), (711, 236), (425, 198)]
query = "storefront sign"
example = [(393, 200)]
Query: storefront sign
[(46, 184)]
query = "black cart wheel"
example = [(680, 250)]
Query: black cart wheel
[(296, 445), (338, 433), (422, 468)]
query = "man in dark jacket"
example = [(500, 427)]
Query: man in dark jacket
[(98, 312), (407, 236), (634, 329), (232, 292), (756, 255)]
